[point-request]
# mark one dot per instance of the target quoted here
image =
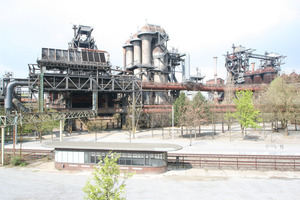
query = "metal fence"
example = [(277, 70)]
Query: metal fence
[(223, 161), (29, 155)]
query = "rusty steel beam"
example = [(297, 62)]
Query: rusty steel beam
[(156, 110), (196, 87), (157, 106)]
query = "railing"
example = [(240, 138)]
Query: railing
[(223, 161), (30, 155)]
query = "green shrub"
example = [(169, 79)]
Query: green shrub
[(17, 161)]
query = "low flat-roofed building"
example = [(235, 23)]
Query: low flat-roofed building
[(134, 157)]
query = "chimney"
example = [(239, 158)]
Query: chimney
[(215, 61), (253, 66)]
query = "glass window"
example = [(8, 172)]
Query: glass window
[(64, 156), (70, 156), (86, 157), (80, 157), (75, 157), (93, 157)]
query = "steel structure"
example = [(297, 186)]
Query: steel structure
[(27, 118), (237, 63), (82, 72), (146, 54)]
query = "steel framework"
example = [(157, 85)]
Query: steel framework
[(27, 118), (237, 63)]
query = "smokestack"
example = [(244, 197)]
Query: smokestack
[(253, 66), (75, 29), (215, 93), (215, 61)]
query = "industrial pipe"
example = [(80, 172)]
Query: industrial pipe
[(19, 105), (9, 94), (196, 87)]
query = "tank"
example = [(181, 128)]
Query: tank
[(248, 76), (257, 77), (268, 75)]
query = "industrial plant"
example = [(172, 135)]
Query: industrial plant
[(82, 78)]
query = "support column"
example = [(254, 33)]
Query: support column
[(2, 145), (173, 133), (61, 122), (133, 115), (41, 91), (95, 100)]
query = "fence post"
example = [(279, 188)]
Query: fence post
[(294, 164), (200, 161), (256, 163)]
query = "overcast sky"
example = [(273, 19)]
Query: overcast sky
[(204, 29)]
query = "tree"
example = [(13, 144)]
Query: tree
[(229, 120), (105, 183), (41, 127), (200, 110), (282, 100), (179, 107), (246, 114)]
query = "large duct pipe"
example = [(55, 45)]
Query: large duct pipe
[(9, 94), (19, 105)]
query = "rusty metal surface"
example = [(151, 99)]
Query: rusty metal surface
[(197, 87)]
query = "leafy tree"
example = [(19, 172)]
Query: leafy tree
[(179, 107), (282, 100), (246, 114), (105, 183), (41, 127)]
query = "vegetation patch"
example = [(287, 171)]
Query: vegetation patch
[(17, 161)]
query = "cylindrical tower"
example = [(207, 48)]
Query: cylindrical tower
[(137, 53), (137, 49), (146, 48), (128, 54)]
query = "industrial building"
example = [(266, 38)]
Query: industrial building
[(237, 64), (134, 157), (81, 77)]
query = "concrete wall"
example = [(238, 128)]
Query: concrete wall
[(135, 169)]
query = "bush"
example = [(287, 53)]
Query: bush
[(17, 161)]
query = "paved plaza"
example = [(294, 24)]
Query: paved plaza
[(41, 180)]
